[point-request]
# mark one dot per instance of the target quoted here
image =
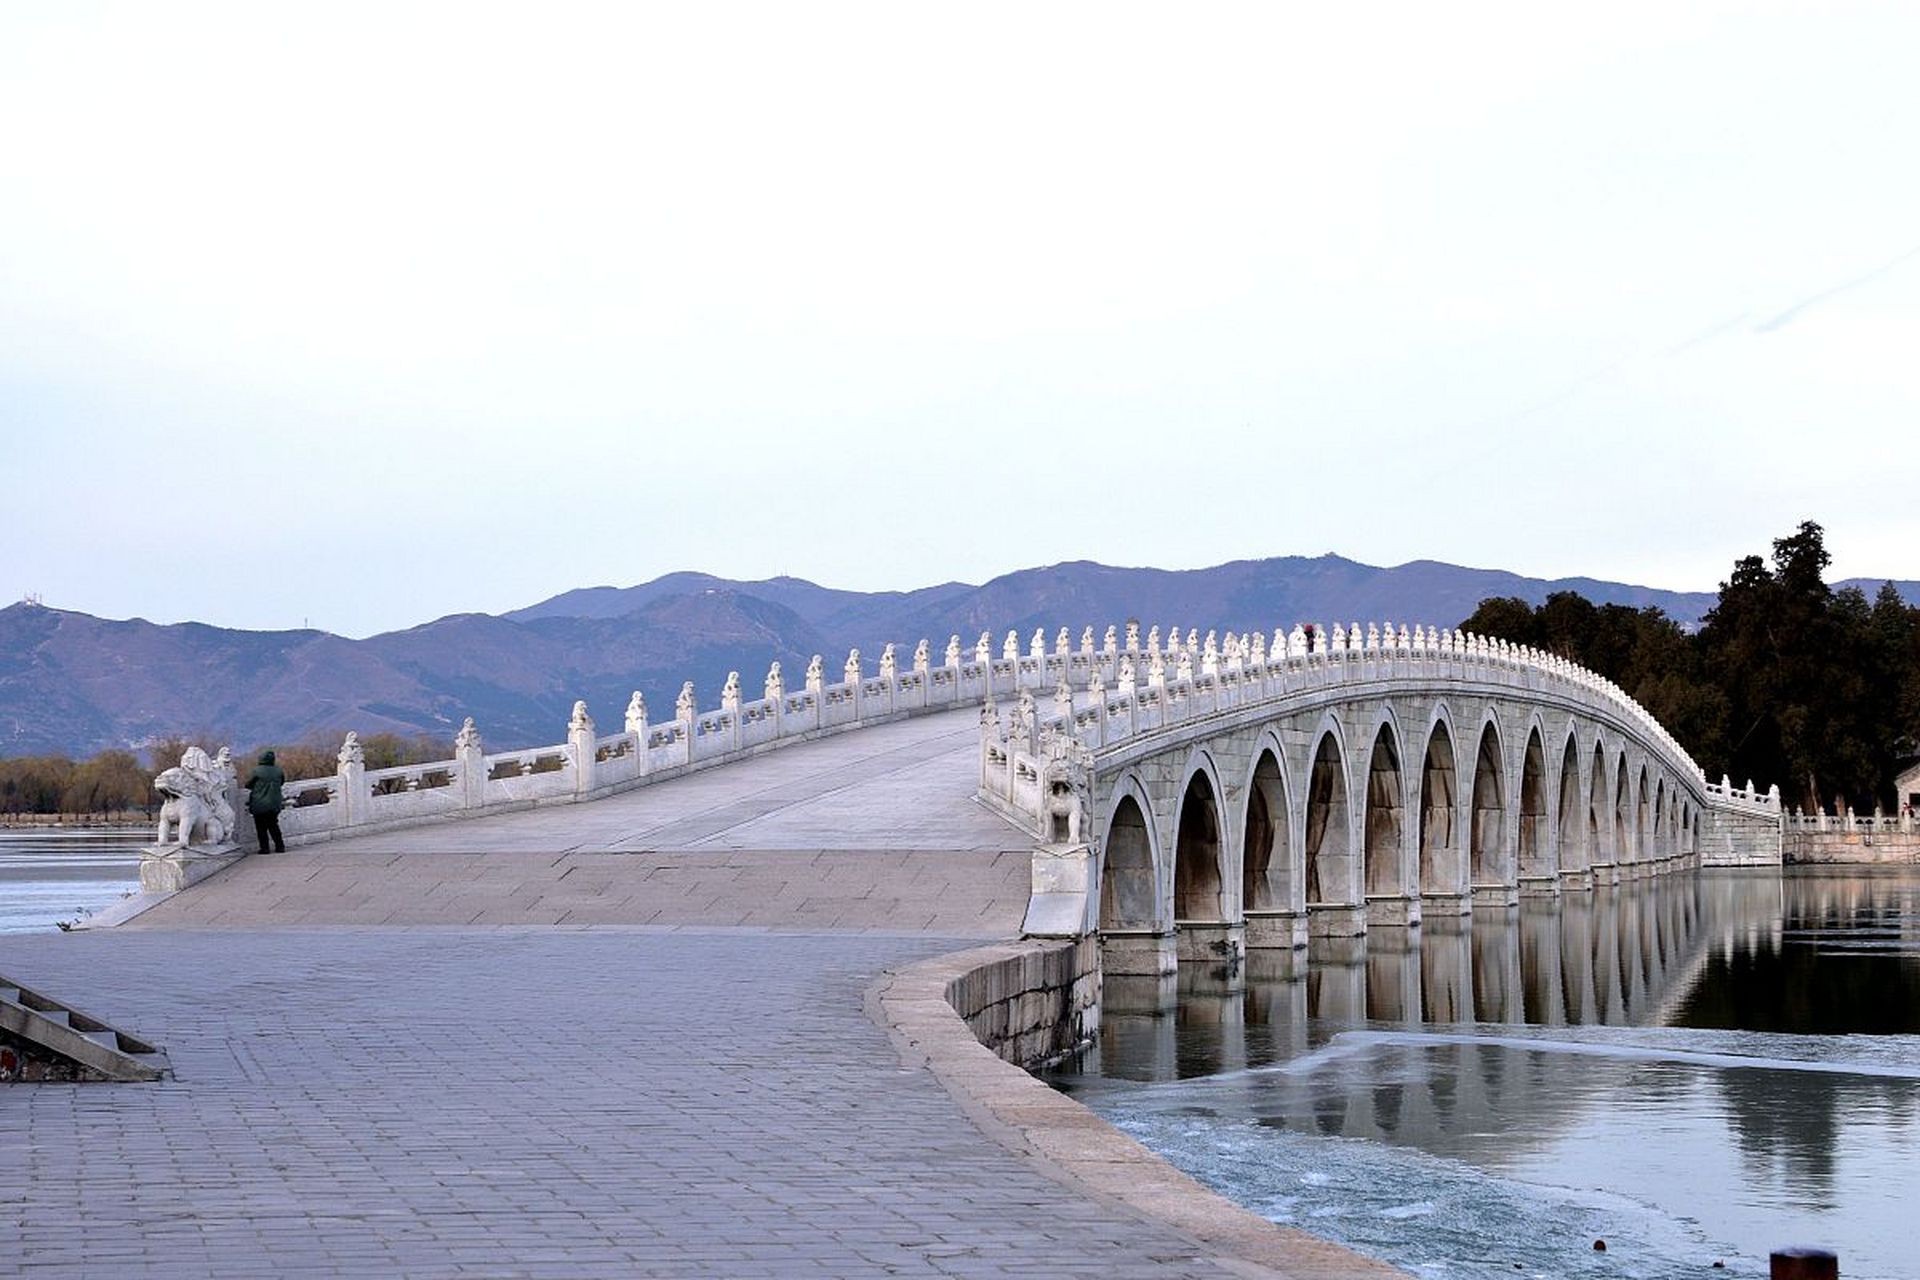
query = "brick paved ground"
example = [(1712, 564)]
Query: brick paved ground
[(438, 1102)]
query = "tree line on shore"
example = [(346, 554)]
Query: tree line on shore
[(1787, 682), (115, 785)]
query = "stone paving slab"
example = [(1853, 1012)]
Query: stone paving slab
[(963, 894), (522, 1102)]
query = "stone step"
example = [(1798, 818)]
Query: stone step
[(53, 1030)]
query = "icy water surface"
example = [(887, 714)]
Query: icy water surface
[(61, 873), (1694, 1072)]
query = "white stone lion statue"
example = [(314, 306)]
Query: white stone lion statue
[(196, 810)]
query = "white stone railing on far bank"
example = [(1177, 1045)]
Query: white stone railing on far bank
[(589, 765), (1036, 757), (1903, 823)]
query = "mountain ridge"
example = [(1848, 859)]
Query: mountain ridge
[(72, 683)]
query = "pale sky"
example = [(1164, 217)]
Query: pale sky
[(359, 315)]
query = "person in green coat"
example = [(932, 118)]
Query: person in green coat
[(265, 802)]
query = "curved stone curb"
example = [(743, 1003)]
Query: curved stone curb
[(1072, 1145)]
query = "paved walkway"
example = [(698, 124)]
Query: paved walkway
[(388, 1060), (519, 1103)]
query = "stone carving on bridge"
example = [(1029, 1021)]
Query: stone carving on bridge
[(816, 675), (851, 672), (685, 707), (775, 687), (983, 648), (1124, 683), (921, 659), (1020, 724), (352, 754), (730, 692), (1066, 784), (1010, 647), (1110, 643), (468, 739), (1133, 637), (581, 721), (196, 810), (953, 651), (1086, 641), (636, 715), (889, 665)]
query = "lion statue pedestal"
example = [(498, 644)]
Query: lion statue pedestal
[(195, 836)]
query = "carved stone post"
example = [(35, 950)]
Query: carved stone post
[(776, 693), (582, 745), (356, 801), (470, 763), (1097, 695), (816, 686), (637, 729), (730, 707), (686, 712)]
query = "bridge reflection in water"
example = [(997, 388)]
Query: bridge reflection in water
[(1735, 1053), (1823, 954)]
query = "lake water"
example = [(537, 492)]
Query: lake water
[(1696, 1071), (53, 874)]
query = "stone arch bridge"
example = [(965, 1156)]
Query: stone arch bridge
[(1219, 797)]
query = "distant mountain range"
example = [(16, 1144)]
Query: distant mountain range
[(74, 684)]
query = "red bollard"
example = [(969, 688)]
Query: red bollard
[(1804, 1264)]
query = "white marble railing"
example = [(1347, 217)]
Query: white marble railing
[(1750, 799), (1870, 824), (588, 765), (1131, 694)]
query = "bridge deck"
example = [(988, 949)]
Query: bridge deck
[(875, 829)]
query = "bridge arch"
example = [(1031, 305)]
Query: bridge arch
[(1443, 873), (1534, 850), (1642, 827), (1622, 830), (1662, 836), (1200, 846), (1272, 883), (1383, 849), (1571, 850), (1130, 863), (1601, 849), (1486, 847), (1329, 854)]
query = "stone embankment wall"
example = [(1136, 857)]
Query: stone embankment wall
[(1035, 1004), (1736, 836), (1855, 847)]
